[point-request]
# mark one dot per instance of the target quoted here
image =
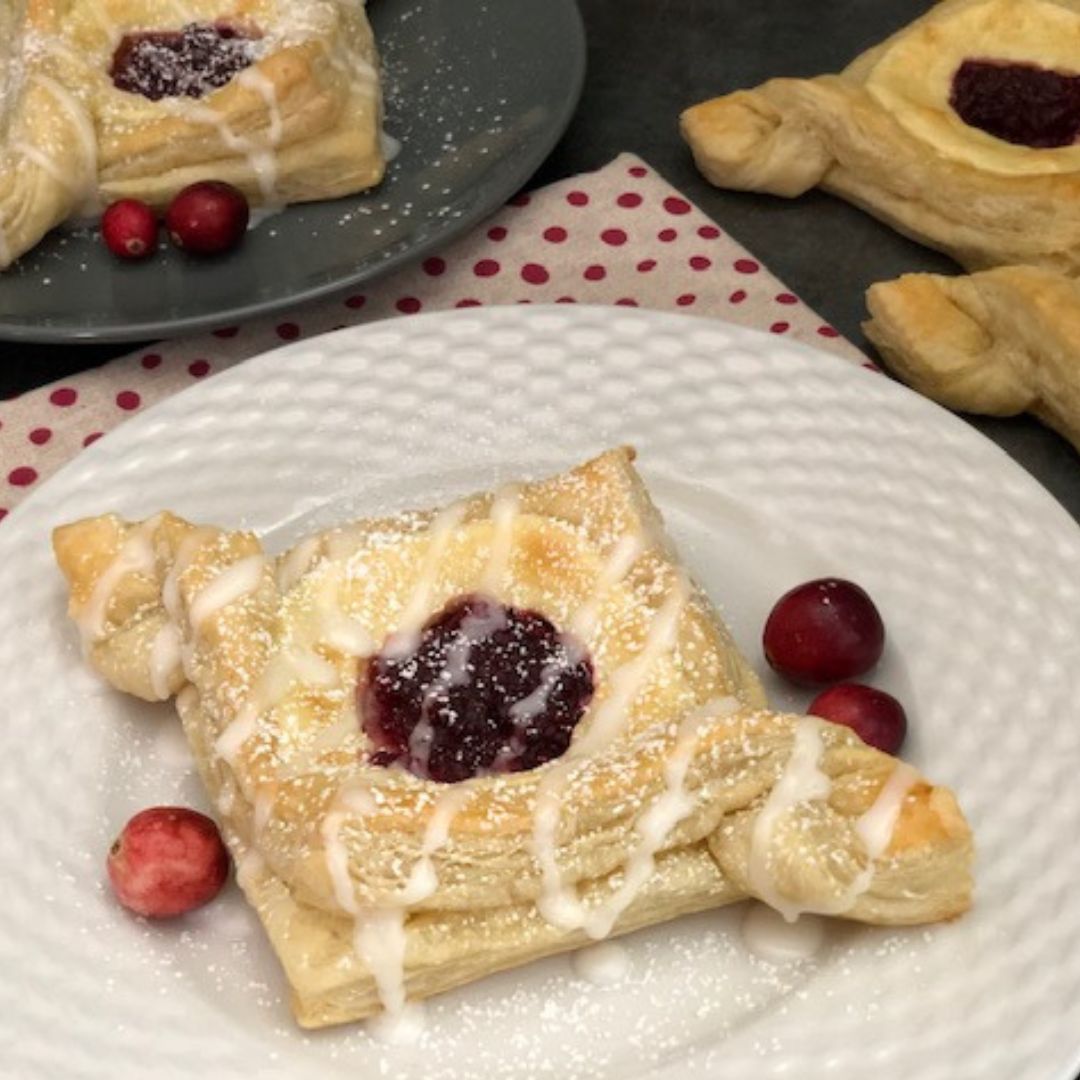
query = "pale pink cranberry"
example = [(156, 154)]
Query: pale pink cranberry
[(824, 631), (207, 218), (168, 860), (129, 228), (876, 717)]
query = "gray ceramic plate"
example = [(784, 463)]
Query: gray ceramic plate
[(478, 92)]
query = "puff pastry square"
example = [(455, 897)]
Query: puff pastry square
[(1000, 342), (378, 885), (278, 97), (960, 131)]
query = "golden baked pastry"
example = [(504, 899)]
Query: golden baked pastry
[(960, 131), (1000, 342), (446, 743), (104, 99)]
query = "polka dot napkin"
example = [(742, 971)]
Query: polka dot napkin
[(620, 235)]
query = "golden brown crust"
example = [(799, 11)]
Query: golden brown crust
[(883, 135), (1000, 342), (303, 122), (675, 732)]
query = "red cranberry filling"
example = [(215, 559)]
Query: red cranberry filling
[(484, 688), (180, 63), (1020, 103)]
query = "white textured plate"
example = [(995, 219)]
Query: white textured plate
[(773, 464)]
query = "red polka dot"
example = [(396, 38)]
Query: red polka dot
[(92, 437), (699, 262), (638, 170), (629, 199), (685, 300), (199, 368), (786, 298), (524, 301), (780, 327), (521, 199), (666, 235), (626, 301), (65, 395), (468, 303), (534, 274), (828, 331), (594, 273), (577, 198), (496, 233), (288, 331), (708, 232), (40, 436), (227, 331), (3, 513), (486, 268), (676, 206), (614, 237), (128, 400), (23, 476), (555, 235), (356, 301), (646, 265), (434, 266), (408, 305), (566, 300), (746, 266), (151, 361), (871, 366), (737, 297)]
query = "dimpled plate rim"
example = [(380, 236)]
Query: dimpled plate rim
[(971, 558)]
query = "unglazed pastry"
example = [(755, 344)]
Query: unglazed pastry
[(959, 131), (446, 743), (1000, 342), (105, 99)]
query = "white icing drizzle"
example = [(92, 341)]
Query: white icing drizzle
[(802, 781), (346, 635), (236, 581), (767, 933), (656, 824), (265, 796), (281, 671), (603, 964), (476, 627), (557, 902), (170, 587), (404, 640), (423, 880), (136, 556), (624, 554), (254, 79), (261, 159), (80, 119), (164, 659), (390, 146), (296, 563), (504, 511)]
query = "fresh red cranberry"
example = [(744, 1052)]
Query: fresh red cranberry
[(129, 228), (824, 631), (168, 860), (876, 717), (207, 218), (484, 688)]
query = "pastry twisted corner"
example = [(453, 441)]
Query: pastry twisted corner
[(999, 343)]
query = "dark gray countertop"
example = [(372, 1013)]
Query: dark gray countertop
[(649, 59)]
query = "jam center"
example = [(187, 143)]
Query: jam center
[(180, 63), (1020, 103), (483, 688)]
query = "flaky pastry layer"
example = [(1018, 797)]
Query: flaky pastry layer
[(657, 809)]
